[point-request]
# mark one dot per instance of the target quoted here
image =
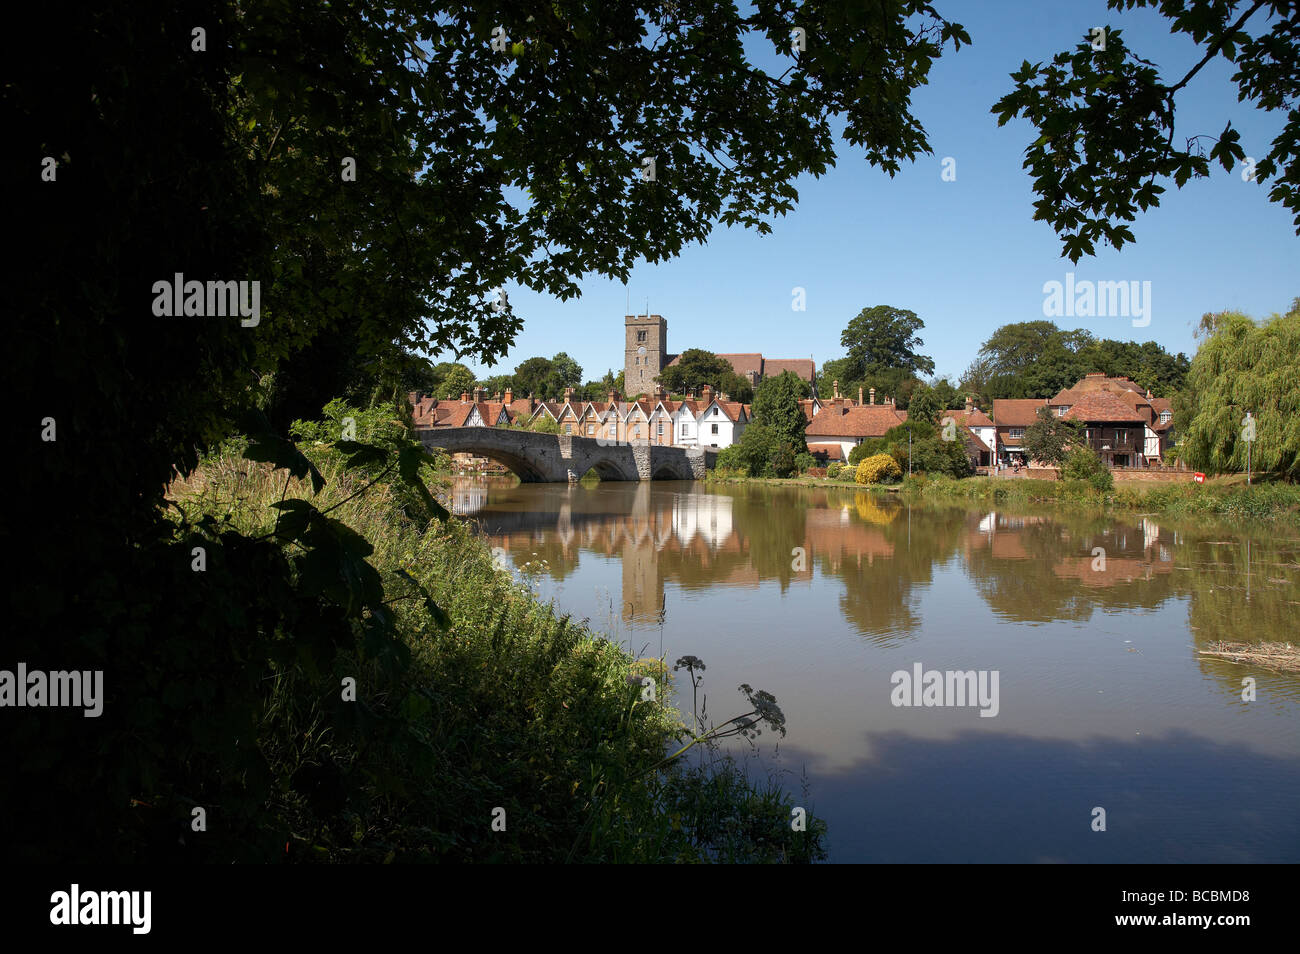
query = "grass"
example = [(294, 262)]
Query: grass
[(514, 714)]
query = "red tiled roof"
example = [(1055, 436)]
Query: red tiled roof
[(1103, 406), (800, 367), (1016, 412), (873, 420), (976, 418), (745, 364)]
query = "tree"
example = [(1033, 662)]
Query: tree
[(697, 367), (1244, 366), (536, 376), (1050, 438), (754, 451), (925, 404), (1104, 118), (453, 380), (566, 371), (776, 406), (884, 339)]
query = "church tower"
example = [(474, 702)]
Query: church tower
[(645, 352)]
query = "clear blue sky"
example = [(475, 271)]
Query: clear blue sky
[(966, 256)]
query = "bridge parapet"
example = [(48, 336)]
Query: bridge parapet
[(549, 458)]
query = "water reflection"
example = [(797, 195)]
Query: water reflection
[(818, 595)]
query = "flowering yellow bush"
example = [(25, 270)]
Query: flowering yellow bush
[(872, 470)]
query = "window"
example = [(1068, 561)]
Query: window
[(1165, 416), (568, 428), (591, 430), (683, 432), (640, 336), (660, 431), (715, 428), (1016, 432), (636, 432), (716, 412), (1061, 409), (1121, 437)]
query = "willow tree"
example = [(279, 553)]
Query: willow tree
[(1245, 366)]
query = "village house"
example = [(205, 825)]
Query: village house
[(975, 430), (1124, 426), (840, 425)]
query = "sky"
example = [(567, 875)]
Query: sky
[(965, 255)]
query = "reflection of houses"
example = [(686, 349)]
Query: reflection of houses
[(703, 515)]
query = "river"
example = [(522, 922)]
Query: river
[(1084, 630)]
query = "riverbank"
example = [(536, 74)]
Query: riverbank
[(512, 733), (1228, 497)]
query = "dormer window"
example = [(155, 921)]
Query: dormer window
[(1165, 416)]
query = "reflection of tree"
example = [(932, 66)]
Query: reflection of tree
[(1245, 589)]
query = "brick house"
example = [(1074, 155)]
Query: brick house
[(841, 425)]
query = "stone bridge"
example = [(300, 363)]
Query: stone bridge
[(554, 458)]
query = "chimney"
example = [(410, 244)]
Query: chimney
[(613, 396), (464, 397), (414, 397), (836, 384), (708, 393), (568, 395), (970, 404), (860, 401), (724, 396), (1148, 394), (479, 394), (510, 395), (873, 395)]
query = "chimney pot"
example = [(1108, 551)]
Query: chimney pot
[(836, 384), (873, 395), (970, 404), (464, 397), (510, 395), (860, 396)]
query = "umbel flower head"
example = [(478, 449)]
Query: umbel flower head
[(765, 711), (690, 663)]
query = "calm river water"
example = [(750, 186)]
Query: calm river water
[(1090, 624)]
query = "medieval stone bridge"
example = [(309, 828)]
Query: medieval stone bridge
[(554, 458)]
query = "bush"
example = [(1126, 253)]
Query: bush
[(876, 469), (833, 471), (804, 461), (1083, 464)]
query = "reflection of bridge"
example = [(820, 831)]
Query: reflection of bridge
[(553, 458)]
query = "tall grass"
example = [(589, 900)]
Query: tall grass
[(514, 716)]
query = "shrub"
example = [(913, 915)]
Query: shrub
[(861, 452), (804, 461), (1083, 464), (875, 469), (833, 471)]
